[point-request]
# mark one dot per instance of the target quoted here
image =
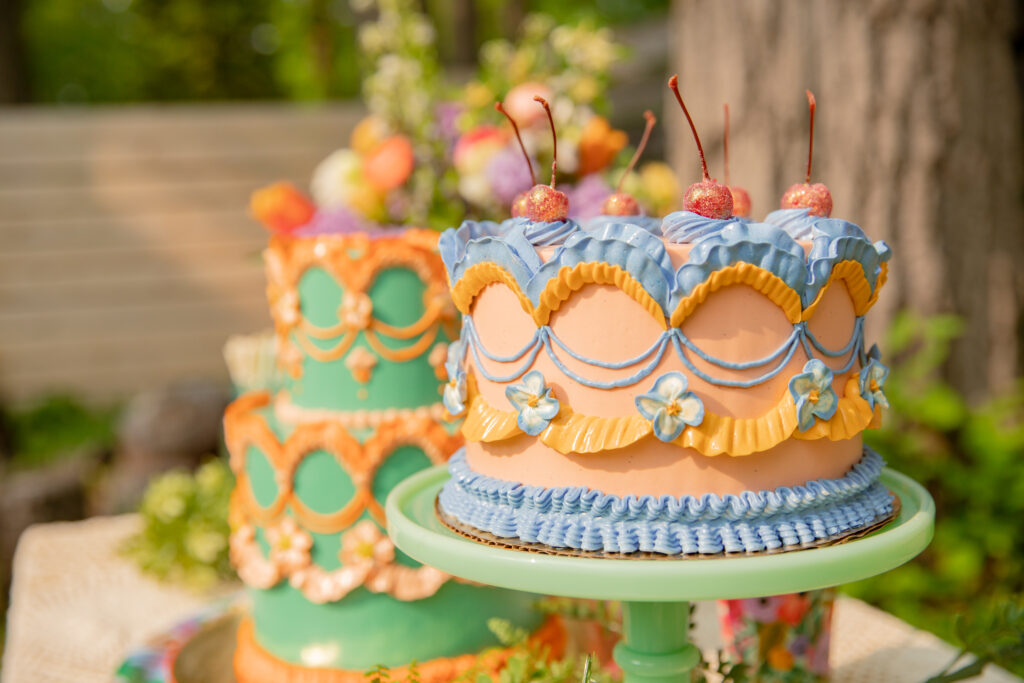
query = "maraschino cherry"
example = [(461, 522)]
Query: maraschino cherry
[(543, 203), (519, 203), (707, 198), (815, 198), (622, 203), (740, 197)]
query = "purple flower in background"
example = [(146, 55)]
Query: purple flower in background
[(447, 114), (507, 174), (587, 196), (335, 221)]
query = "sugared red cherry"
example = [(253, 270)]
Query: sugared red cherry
[(519, 204), (740, 201), (816, 198), (622, 203), (740, 197), (707, 198), (543, 202)]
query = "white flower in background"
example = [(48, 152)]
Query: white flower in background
[(533, 401), (670, 407), (336, 178), (813, 394)]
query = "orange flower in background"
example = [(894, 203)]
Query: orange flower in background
[(780, 659), (599, 145), (367, 135), (281, 207), (520, 105), (390, 164), (793, 608)]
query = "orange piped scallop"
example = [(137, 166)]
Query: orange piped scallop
[(253, 664), (852, 273)]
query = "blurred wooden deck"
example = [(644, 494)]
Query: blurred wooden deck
[(126, 253)]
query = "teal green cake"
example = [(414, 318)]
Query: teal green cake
[(362, 324)]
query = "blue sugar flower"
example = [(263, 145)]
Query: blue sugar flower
[(670, 407), (533, 401), (454, 395), (872, 380), (813, 394)]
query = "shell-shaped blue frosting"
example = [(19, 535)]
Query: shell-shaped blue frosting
[(648, 223), (628, 246), (683, 227), (757, 243), (543, 234), (504, 244), (581, 518)]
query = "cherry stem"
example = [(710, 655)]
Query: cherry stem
[(648, 127), (725, 142), (810, 148), (529, 164), (554, 138), (673, 83)]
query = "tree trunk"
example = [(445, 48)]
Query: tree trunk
[(918, 136), (13, 78)]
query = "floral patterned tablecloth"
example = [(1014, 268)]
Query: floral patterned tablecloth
[(78, 608)]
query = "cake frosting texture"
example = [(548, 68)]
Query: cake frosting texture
[(631, 361)]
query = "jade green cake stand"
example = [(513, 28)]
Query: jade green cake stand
[(655, 593)]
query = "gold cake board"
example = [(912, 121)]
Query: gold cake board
[(489, 539)]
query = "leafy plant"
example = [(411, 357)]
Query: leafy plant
[(54, 426), (994, 637), (184, 536), (971, 459)]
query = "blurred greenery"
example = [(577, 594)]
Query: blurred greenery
[(45, 430), (98, 51), (971, 459), (184, 536)]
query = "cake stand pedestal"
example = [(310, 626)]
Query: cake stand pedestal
[(655, 593)]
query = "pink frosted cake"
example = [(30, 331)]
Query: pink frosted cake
[(697, 388)]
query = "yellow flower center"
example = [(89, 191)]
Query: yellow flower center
[(674, 408), (873, 385), (813, 396), (285, 543), (365, 549), (533, 401)]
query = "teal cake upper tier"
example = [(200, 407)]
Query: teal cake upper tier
[(362, 320)]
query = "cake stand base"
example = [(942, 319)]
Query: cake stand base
[(655, 594)]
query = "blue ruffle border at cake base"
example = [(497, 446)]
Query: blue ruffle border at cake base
[(578, 518)]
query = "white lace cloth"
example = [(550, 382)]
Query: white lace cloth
[(77, 608)]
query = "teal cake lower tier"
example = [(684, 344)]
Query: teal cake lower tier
[(330, 593)]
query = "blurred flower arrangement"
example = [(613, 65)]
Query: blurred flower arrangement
[(184, 534), (432, 154)]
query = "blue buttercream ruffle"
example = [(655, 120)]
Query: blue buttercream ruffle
[(632, 245), (541, 234), (648, 223), (586, 519)]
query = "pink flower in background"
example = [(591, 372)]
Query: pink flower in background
[(507, 174), (762, 610)]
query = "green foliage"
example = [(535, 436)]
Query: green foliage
[(184, 536), (57, 425), (994, 637), (971, 459)]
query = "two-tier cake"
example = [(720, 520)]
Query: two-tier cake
[(362, 323)]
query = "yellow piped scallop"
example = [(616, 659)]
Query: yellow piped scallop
[(761, 280), (571, 279), (571, 432), (479, 276), (852, 273)]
